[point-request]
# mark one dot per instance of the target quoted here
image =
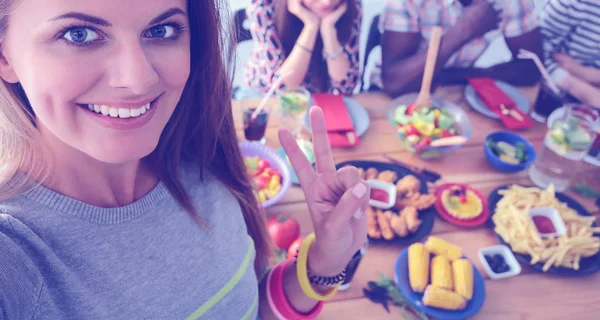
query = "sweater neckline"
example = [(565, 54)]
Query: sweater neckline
[(65, 204)]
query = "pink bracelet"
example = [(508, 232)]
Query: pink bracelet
[(280, 301), (278, 315)]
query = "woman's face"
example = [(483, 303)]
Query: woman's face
[(322, 7), (102, 76)]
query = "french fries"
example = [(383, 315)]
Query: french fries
[(516, 228)]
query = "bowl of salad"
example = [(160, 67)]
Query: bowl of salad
[(429, 131), (508, 151)]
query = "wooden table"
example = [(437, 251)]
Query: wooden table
[(531, 295)]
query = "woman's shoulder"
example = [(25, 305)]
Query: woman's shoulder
[(20, 280), (204, 186)]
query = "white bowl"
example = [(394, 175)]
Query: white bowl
[(509, 258), (389, 188), (554, 216)]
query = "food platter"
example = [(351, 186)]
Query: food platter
[(427, 215), (587, 265)]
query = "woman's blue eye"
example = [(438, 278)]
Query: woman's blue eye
[(163, 31), (81, 35)]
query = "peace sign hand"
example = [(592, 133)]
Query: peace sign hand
[(337, 200)]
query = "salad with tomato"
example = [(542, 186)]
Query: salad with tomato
[(267, 179), (420, 126)]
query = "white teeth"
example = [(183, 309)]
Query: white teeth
[(118, 112), (123, 113), (135, 112), (113, 112)]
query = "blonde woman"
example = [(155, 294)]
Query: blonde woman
[(123, 190)]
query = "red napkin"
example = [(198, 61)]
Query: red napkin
[(340, 129), (494, 97)]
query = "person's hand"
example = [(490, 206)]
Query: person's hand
[(478, 19), (568, 63), (329, 21), (297, 8), (337, 200)]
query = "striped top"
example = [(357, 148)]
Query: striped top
[(64, 259), (571, 27), (420, 16)]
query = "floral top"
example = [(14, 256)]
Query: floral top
[(268, 54)]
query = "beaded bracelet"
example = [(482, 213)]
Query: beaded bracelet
[(301, 268), (325, 281)]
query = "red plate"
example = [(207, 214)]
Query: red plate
[(477, 221)]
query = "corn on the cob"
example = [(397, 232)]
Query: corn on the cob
[(443, 299), (441, 273), (462, 271), (442, 247), (418, 267)]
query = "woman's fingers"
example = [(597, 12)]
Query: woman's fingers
[(304, 170), (349, 207), (323, 154)]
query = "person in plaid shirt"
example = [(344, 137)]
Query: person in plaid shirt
[(469, 27)]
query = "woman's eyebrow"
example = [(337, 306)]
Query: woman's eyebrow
[(166, 15), (83, 17), (99, 21)]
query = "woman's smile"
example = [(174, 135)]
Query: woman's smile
[(122, 115)]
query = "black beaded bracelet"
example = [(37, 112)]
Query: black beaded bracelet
[(327, 281), (324, 281)]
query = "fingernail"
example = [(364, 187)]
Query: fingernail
[(358, 214), (359, 190)]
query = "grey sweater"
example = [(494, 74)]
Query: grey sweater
[(64, 259)]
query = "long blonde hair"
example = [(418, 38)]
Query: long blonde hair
[(201, 129)]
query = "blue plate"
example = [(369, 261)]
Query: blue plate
[(415, 298), (586, 265), (358, 114), (427, 216), (515, 94)]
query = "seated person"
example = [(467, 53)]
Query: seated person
[(469, 27), (316, 40), (571, 33)]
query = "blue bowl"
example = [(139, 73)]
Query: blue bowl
[(511, 138)]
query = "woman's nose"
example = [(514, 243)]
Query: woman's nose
[(133, 70)]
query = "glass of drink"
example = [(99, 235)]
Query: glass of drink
[(293, 104), (254, 129), (546, 102), (353, 266), (566, 143)]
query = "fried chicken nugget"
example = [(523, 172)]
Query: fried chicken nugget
[(384, 225), (407, 185), (411, 215), (399, 226), (371, 173), (407, 201), (387, 176), (361, 173), (424, 201), (372, 225)]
